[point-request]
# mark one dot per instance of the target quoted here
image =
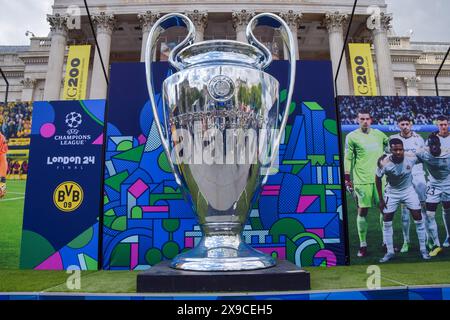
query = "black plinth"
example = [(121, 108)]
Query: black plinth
[(285, 276)]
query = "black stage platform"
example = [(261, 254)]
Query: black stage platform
[(285, 276)]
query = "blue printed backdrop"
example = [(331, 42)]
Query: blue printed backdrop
[(298, 216), (66, 146)]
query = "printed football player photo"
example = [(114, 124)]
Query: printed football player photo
[(396, 158)]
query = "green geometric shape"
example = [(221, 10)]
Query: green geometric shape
[(105, 200), (274, 255), (170, 249), (121, 255), (316, 190), (91, 263), (331, 126), (119, 224), (35, 249), (136, 213), (288, 227), (115, 181), (134, 155), (155, 197), (310, 235), (82, 240), (287, 134), (172, 190), (313, 106), (333, 187), (110, 213), (317, 160), (297, 168), (124, 145), (296, 162), (163, 163), (307, 256), (153, 256), (93, 117), (291, 247), (292, 107), (337, 157), (256, 223), (283, 95), (108, 221), (171, 225)]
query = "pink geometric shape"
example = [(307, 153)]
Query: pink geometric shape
[(270, 193), (142, 139), (54, 262), (281, 252), (188, 242), (305, 202), (47, 130), (328, 255), (134, 255), (99, 140), (272, 187), (155, 209), (319, 232), (138, 188)]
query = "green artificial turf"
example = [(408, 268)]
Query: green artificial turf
[(11, 214)]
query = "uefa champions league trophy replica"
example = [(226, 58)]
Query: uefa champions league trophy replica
[(220, 92)]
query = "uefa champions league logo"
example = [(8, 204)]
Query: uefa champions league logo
[(73, 121)]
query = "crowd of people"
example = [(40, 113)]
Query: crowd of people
[(15, 120), (386, 110), (17, 169)]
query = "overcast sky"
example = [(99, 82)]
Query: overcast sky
[(429, 20)]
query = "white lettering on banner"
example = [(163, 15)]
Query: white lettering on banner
[(71, 160)]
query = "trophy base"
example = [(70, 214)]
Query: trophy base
[(222, 253), (284, 277)]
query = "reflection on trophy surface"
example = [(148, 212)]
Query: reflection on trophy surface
[(221, 130)]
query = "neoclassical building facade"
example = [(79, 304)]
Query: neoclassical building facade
[(403, 67)]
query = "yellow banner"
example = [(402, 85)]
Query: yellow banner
[(13, 142), (19, 154), (77, 69), (363, 72)]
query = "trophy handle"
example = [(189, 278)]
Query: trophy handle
[(166, 22), (272, 20)]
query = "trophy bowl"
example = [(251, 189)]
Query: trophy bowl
[(221, 128)]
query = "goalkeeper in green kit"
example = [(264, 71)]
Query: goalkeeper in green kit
[(363, 148)]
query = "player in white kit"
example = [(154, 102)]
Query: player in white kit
[(412, 142), (444, 137), (437, 163), (399, 190)]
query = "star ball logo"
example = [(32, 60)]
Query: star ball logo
[(68, 196), (73, 137), (73, 121)]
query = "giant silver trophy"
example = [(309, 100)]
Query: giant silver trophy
[(220, 92)]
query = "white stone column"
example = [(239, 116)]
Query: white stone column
[(58, 27), (200, 20), (105, 25), (147, 20), (334, 23), (383, 56), (240, 23), (412, 85), (28, 89), (293, 20)]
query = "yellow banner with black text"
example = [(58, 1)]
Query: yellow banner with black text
[(77, 70), (363, 72)]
